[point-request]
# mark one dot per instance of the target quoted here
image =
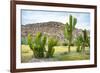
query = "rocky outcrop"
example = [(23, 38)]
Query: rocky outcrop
[(51, 29)]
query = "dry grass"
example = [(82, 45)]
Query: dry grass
[(61, 53), (26, 53)]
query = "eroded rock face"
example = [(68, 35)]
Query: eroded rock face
[(51, 29)]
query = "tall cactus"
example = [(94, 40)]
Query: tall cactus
[(68, 30), (85, 37)]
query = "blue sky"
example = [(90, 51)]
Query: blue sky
[(36, 16)]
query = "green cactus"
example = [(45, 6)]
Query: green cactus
[(85, 40), (40, 42), (82, 41), (68, 30), (88, 41), (29, 38), (78, 42), (38, 45), (51, 43)]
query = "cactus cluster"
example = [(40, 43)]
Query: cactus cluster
[(79, 41), (82, 41), (39, 43)]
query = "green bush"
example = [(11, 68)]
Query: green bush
[(24, 41), (72, 44), (64, 44)]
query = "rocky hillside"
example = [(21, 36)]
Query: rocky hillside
[(52, 29)]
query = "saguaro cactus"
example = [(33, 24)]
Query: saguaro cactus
[(84, 40), (69, 27)]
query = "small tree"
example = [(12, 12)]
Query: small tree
[(68, 30)]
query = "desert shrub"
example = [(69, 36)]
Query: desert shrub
[(24, 41), (78, 49), (72, 44), (51, 43), (59, 43), (64, 44)]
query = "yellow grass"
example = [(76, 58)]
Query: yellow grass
[(27, 53), (58, 49), (61, 49)]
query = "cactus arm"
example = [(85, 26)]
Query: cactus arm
[(70, 22), (74, 22)]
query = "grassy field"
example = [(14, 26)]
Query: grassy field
[(61, 53)]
